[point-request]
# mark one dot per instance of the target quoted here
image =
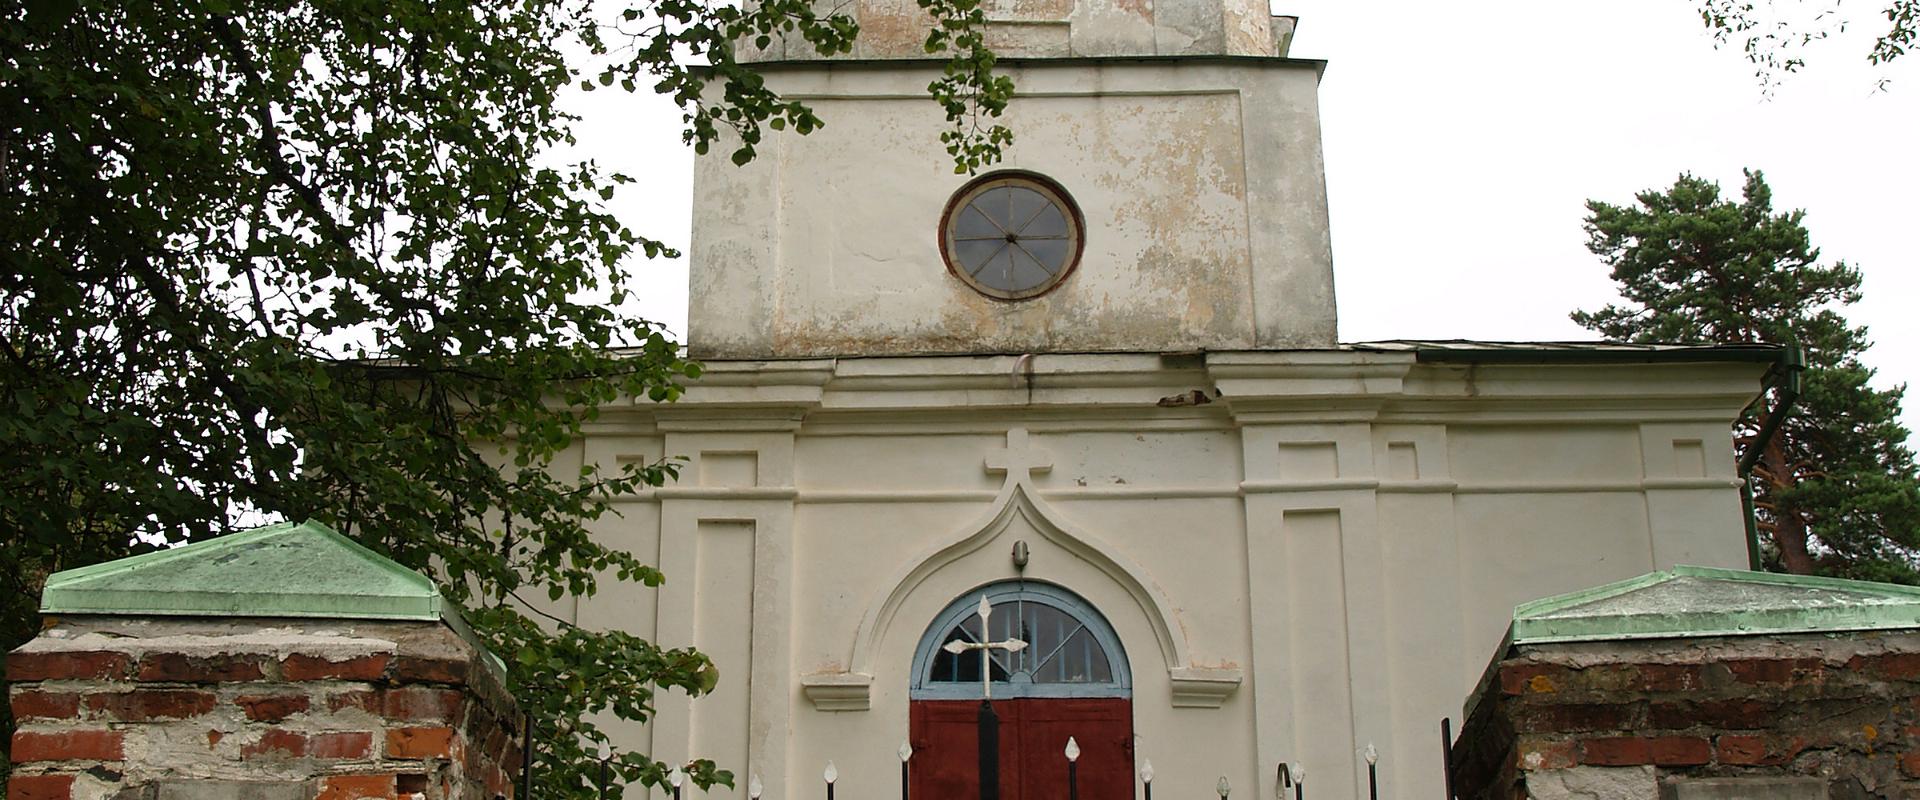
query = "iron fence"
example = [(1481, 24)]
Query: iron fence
[(1290, 777)]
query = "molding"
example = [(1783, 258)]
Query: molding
[(1018, 499), (1016, 503), (1330, 485), (838, 691), (1140, 492), (726, 493), (1091, 418), (1656, 484), (1201, 687), (897, 496), (982, 495), (740, 494), (1120, 391), (720, 420), (1421, 411), (1423, 486), (1552, 487)]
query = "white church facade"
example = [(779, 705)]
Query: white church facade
[(1100, 386)]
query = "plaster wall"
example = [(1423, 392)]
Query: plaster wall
[(897, 29), (1317, 558), (1200, 183)]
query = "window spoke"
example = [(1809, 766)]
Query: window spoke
[(986, 241)]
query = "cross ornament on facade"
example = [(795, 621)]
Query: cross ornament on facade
[(1020, 460), (986, 649)]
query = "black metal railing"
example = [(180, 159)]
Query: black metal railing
[(1290, 777)]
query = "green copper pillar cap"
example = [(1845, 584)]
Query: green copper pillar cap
[(1702, 601), (287, 570)]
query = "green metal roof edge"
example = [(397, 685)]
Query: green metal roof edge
[(1759, 627), (1526, 629), (64, 591), (244, 604), (1808, 581), (60, 595), (1587, 595)]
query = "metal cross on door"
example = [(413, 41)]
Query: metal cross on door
[(961, 645)]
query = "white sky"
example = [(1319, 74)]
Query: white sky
[(1462, 141)]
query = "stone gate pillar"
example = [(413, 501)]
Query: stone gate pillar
[(283, 663), (1702, 684)]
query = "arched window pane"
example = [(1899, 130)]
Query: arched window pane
[(971, 224), (1026, 273), (972, 253), (1049, 223), (1027, 203), (1060, 648)]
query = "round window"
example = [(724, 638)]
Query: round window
[(1011, 235)]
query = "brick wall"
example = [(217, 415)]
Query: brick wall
[(1807, 716), (157, 709)]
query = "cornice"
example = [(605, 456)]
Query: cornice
[(1191, 390)]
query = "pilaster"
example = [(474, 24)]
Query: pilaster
[(1314, 558), (1691, 514), (1425, 612), (727, 551)]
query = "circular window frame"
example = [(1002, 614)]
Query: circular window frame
[(1048, 188)]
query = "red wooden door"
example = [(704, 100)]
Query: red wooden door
[(1033, 741)]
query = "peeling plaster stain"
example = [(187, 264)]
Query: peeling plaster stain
[(1161, 179), (1249, 28), (1138, 8), (892, 29)]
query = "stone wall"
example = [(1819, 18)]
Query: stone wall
[(246, 709), (1750, 717)]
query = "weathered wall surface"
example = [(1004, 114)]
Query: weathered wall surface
[(1752, 717), (1318, 556), (1062, 28), (1201, 185), (169, 709)]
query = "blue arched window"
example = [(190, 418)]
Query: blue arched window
[(1071, 650)]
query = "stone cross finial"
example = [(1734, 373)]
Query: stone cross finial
[(1021, 460)]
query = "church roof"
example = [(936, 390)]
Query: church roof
[(1702, 601), (1468, 350), (291, 569)]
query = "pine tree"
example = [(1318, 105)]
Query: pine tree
[(1835, 491)]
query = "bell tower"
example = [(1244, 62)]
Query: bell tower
[(1164, 192)]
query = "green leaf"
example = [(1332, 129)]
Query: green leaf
[(353, 274)]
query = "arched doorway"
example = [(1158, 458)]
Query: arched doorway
[(1072, 679)]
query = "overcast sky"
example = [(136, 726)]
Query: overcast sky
[(1462, 141)]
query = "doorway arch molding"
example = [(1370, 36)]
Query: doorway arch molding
[(1017, 502)]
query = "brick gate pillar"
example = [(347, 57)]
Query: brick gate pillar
[(284, 663), (1702, 684)]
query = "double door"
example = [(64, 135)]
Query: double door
[(1033, 741)]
